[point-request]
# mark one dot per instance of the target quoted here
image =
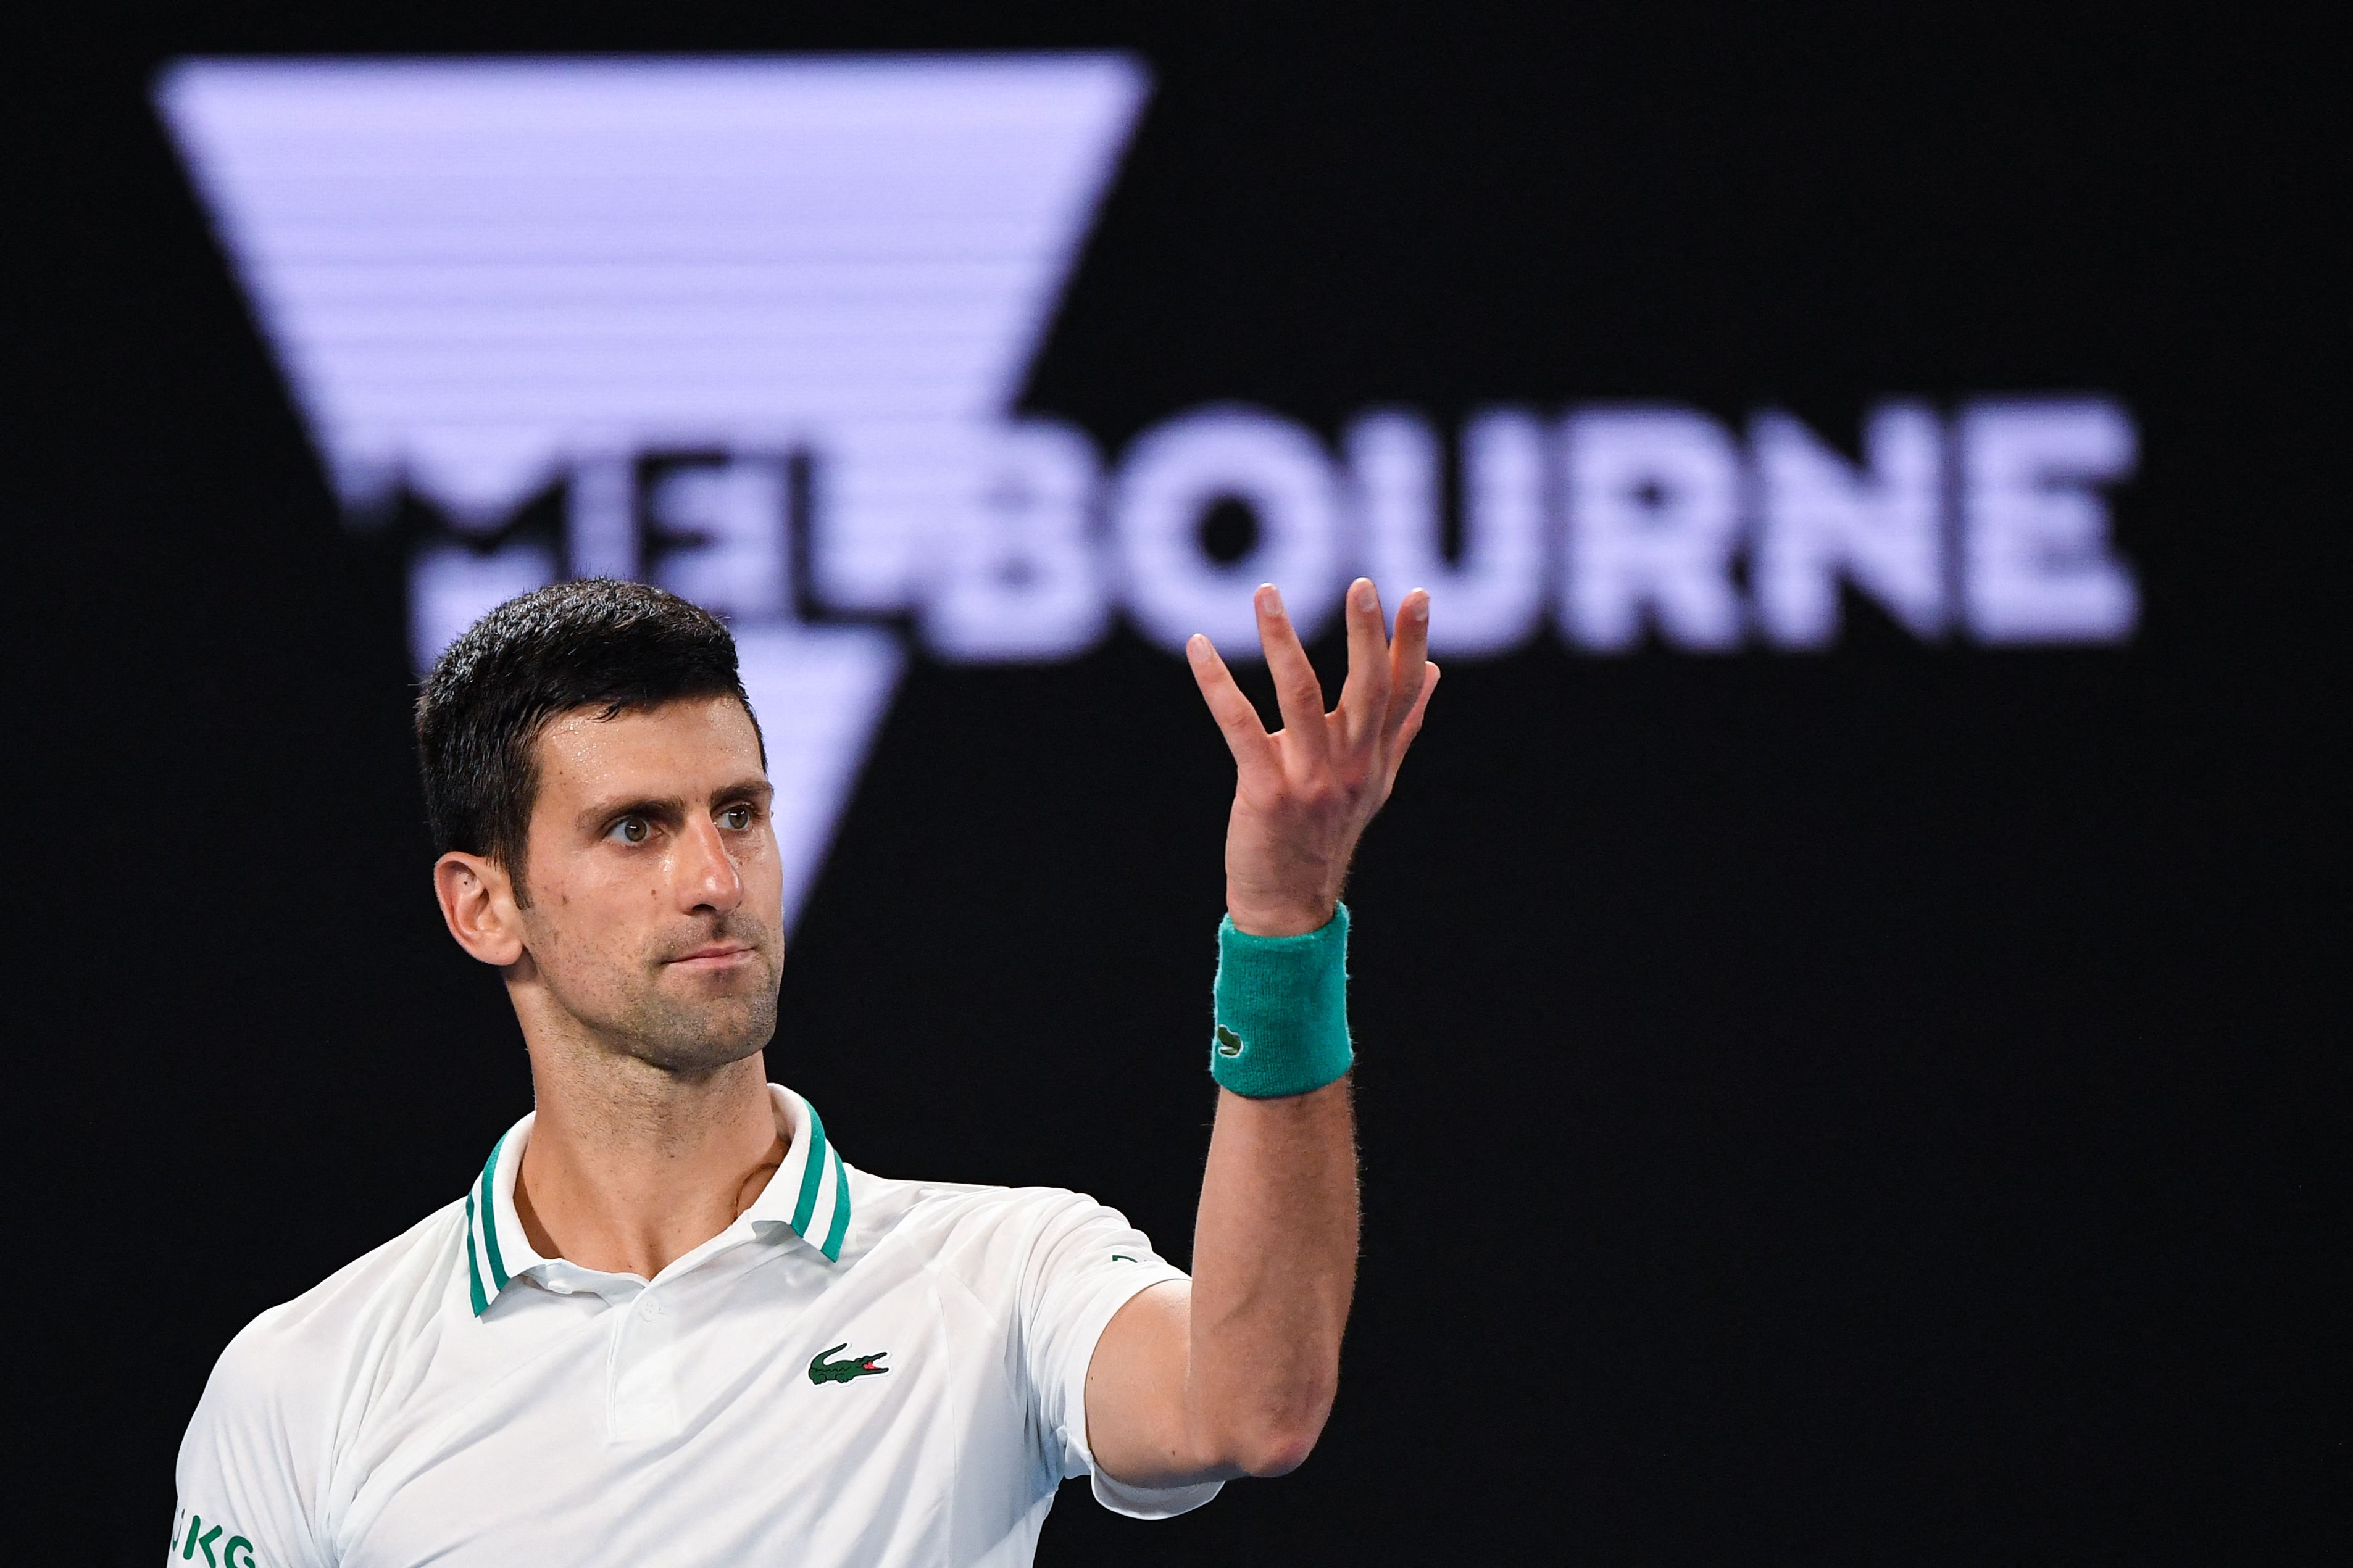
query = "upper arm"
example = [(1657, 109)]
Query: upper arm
[(246, 1475), (1090, 1281), (1135, 1408)]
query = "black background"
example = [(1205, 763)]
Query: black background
[(1882, 1104)]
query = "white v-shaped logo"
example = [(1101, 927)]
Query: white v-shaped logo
[(487, 278)]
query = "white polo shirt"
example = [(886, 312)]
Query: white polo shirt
[(856, 1371)]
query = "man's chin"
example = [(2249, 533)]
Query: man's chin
[(708, 1027), (720, 1043)]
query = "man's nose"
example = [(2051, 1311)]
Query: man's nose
[(707, 877)]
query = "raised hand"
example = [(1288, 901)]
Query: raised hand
[(1303, 796)]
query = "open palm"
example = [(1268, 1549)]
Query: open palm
[(1303, 794)]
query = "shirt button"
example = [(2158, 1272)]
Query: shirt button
[(648, 1311)]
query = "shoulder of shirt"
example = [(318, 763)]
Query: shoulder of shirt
[(303, 1351), (965, 1227), (889, 1201)]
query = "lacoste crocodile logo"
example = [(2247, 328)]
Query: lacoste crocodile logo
[(1229, 1043), (824, 1370)]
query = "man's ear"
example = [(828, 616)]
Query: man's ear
[(478, 906)]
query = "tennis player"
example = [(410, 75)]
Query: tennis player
[(669, 1321)]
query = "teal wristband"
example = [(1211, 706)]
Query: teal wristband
[(1282, 1010)]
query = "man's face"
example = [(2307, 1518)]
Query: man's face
[(655, 916)]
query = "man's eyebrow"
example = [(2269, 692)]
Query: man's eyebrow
[(758, 789), (654, 808)]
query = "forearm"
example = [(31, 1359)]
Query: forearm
[(1274, 1266), (1235, 1372)]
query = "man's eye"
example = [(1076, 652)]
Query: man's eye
[(736, 818), (631, 830)]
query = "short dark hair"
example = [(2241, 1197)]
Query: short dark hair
[(596, 643)]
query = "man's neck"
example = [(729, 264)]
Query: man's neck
[(630, 1168)]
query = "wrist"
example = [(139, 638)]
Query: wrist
[(1278, 916), (1281, 1008)]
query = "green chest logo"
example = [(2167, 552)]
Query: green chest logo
[(842, 1370)]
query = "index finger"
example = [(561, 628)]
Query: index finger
[(1237, 719)]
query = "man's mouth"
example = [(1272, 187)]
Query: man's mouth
[(715, 955)]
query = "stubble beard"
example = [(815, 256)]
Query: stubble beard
[(660, 1022), (695, 1040)]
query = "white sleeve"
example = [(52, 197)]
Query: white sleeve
[(1086, 1263), (248, 1480)]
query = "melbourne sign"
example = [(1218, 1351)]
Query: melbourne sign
[(754, 328)]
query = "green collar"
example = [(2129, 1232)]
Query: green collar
[(810, 1194)]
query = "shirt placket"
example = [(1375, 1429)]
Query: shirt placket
[(641, 1401)]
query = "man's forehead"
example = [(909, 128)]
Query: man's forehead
[(675, 742)]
